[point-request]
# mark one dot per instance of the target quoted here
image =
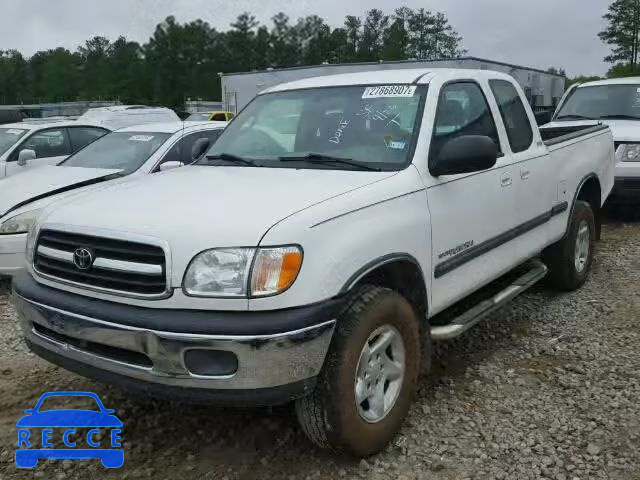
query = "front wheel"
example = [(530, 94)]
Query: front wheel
[(369, 378), (570, 259)]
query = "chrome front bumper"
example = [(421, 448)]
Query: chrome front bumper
[(263, 362)]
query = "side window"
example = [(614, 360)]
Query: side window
[(462, 110), (82, 136), (514, 115), (48, 143), (182, 150), (219, 117)]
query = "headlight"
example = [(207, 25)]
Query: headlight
[(21, 223), (228, 272), (628, 153)]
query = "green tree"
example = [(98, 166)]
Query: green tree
[(352, 26), (372, 41), (396, 36), (622, 32), (284, 46)]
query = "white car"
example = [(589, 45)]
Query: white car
[(319, 269), (616, 103), (30, 144), (118, 156), (26, 145)]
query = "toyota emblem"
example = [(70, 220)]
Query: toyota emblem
[(83, 258)]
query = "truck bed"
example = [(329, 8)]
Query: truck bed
[(554, 135)]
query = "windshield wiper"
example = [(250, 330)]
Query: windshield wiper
[(579, 117), (620, 117), (230, 157), (323, 159)]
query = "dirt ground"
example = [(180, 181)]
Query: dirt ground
[(549, 387)]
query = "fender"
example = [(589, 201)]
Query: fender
[(379, 262), (575, 200)]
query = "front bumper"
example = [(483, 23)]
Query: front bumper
[(625, 190), (12, 254), (270, 368)]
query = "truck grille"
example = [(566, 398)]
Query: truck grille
[(102, 263)]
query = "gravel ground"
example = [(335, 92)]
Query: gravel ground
[(546, 388)]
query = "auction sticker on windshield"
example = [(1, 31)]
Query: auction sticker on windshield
[(389, 91), (141, 138), (69, 433)]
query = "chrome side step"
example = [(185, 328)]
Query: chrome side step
[(472, 316)]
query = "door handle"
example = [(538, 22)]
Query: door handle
[(505, 180), (525, 174)]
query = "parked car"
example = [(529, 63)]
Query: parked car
[(216, 116), (116, 157), (10, 116), (27, 145), (121, 116), (320, 267), (41, 142), (616, 103)]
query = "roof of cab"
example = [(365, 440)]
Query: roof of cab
[(174, 127), (417, 76), (612, 81)]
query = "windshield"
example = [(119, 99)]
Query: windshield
[(605, 101), (198, 117), (9, 137), (126, 151), (373, 127)]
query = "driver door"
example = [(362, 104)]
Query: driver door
[(472, 213), (51, 147)]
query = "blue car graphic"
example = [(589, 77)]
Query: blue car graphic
[(28, 457)]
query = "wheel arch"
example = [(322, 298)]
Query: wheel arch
[(400, 272), (589, 190)]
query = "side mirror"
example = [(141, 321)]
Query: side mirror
[(29, 411), (25, 156), (171, 165), (199, 147), (466, 154)]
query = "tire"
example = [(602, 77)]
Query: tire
[(565, 272), (330, 416)]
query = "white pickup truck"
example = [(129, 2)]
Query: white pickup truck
[(337, 228), (616, 103)]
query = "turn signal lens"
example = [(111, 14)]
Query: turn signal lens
[(275, 270)]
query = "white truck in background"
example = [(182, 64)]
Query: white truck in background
[(616, 103), (337, 228)]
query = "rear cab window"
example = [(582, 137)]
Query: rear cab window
[(514, 115)]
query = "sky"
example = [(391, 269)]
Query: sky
[(533, 33)]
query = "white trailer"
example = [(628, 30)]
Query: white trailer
[(543, 89)]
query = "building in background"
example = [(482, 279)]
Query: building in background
[(543, 89)]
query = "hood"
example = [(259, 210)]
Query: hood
[(30, 186), (201, 207), (623, 130)]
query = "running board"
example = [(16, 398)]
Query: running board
[(468, 319)]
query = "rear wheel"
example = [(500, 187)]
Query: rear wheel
[(570, 259), (370, 375)]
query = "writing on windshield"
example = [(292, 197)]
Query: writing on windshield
[(601, 102)]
